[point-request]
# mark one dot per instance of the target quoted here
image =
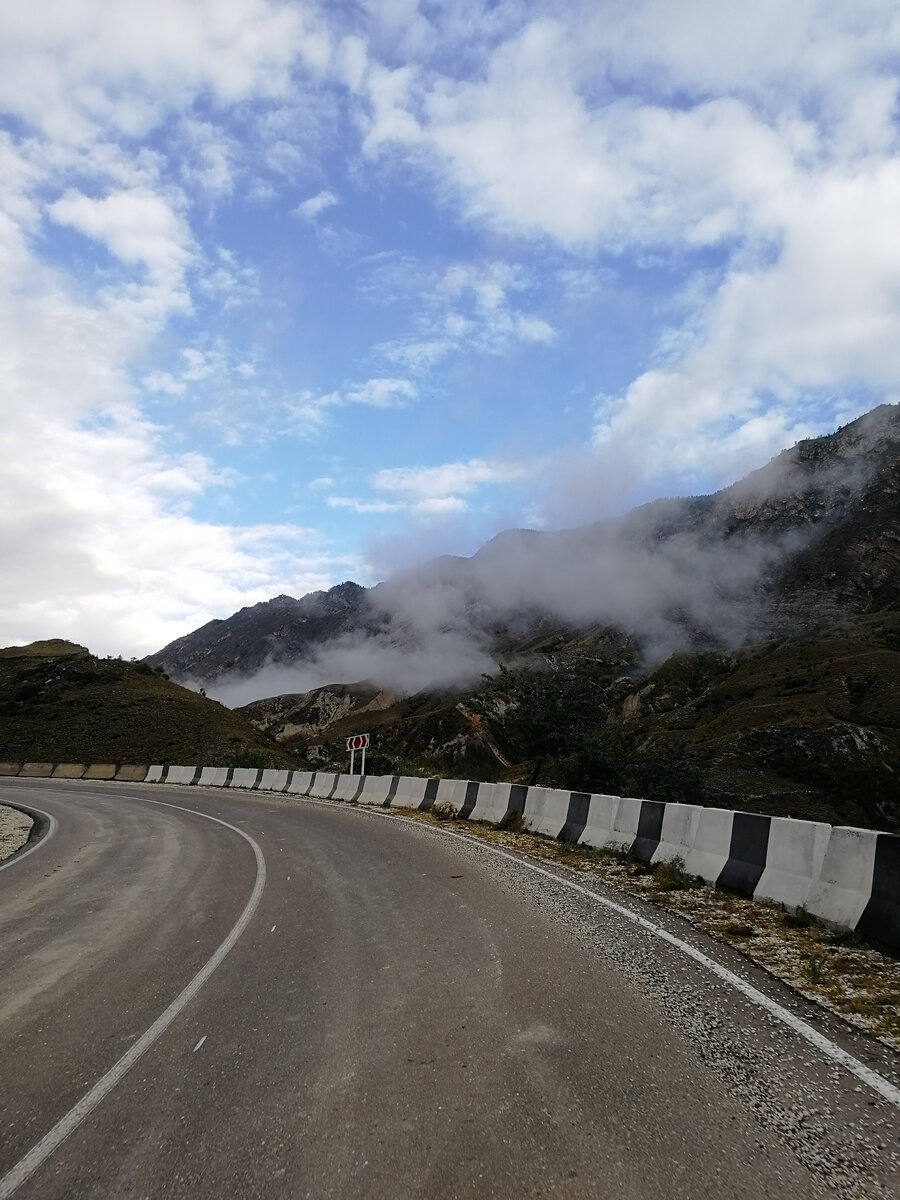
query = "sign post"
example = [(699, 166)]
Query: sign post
[(359, 741)]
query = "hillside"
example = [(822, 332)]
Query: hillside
[(756, 630), (60, 703), (807, 728), (810, 540)]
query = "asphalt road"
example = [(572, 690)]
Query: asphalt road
[(396, 1014)]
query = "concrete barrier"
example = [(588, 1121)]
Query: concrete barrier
[(712, 842), (880, 921), (451, 795), (546, 810), (625, 823), (375, 789), (844, 887), (323, 784), (183, 775), (10, 768), (409, 792), (214, 777), (100, 771), (746, 853), (298, 784), (601, 818), (274, 781), (795, 853), (676, 835), (498, 801), (131, 773), (246, 777), (349, 788), (71, 771), (36, 770), (155, 774)]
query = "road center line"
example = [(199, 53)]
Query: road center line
[(824, 1045), (74, 1117)]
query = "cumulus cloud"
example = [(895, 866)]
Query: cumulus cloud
[(98, 531), (760, 138)]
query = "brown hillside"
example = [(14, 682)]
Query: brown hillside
[(59, 703)]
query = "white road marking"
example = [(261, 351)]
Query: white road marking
[(26, 1166), (199, 1044), (824, 1045), (272, 930), (20, 854)]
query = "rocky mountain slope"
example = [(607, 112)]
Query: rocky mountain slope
[(757, 630), (810, 539)]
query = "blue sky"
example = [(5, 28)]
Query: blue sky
[(293, 294)]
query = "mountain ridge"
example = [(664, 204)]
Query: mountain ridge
[(800, 543)]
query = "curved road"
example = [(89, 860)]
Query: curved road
[(375, 1010)]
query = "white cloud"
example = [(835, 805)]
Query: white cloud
[(139, 228), (364, 506), (63, 65), (380, 393), (433, 491), (465, 307), (766, 134), (315, 205)]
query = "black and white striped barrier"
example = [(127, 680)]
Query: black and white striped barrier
[(848, 877)]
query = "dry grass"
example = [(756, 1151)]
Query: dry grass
[(831, 967)]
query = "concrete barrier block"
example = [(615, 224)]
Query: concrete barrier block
[(132, 773), (375, 789), (347, 787), (844, 887), (625, 823), (492, 803), (155, 773), (451, 794), (245, 777), (794, 860), (299, 783), (546, 810), (100, 771), (880, 921), (274, 781), (213, 777), (10, 768), (601, 818), (677, 833), (747, 853), (183, 775), (36, 770), (409, 793), (323, 784), (712, 843), (71, 771)]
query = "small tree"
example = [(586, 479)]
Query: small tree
[(544, 714), (669, 774)]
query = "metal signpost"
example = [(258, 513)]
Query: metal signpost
[(359, 741)]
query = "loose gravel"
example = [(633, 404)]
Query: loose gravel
[(15, 827)]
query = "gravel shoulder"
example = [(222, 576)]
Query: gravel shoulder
[(15, 827)]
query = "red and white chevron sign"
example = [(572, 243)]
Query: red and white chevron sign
[(359, 741)]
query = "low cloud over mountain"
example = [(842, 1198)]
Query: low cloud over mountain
[(792, 547)]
